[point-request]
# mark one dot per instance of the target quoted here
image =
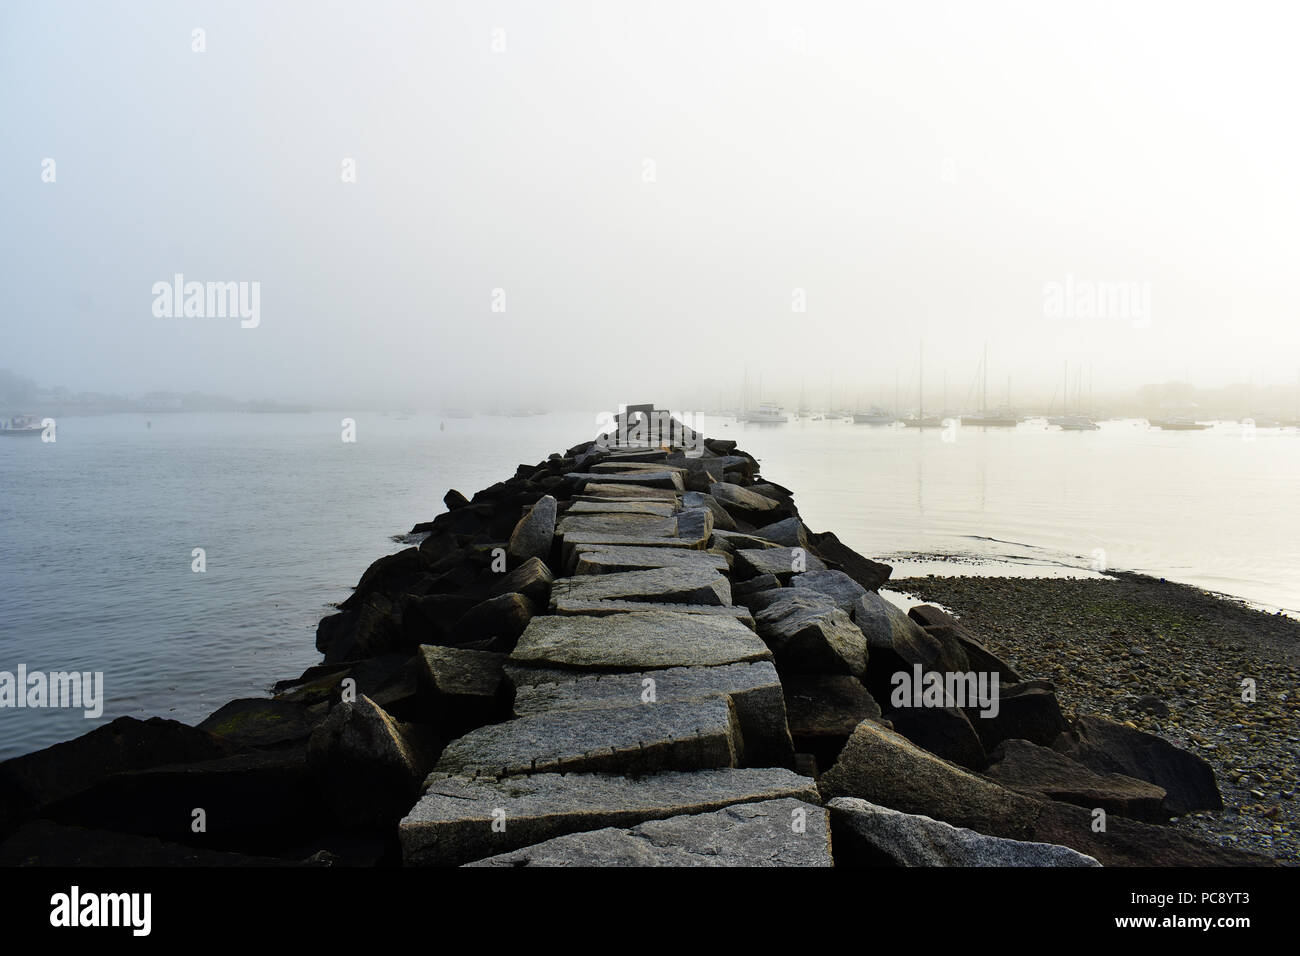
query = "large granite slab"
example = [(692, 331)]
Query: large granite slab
[(661, 585), (607, 558), (754, 690), (763, 834), (566, 605), (670, 480), (453, 822), (694, 734), (660, 509), (649, 640)]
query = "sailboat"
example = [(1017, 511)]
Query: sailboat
[(1004, 417), (1065, 421), (920, 421)]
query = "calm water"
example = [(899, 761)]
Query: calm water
[(97, 529)]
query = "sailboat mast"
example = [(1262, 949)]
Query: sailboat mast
[(984, 382)]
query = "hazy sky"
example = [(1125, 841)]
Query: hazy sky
[(917, 169)]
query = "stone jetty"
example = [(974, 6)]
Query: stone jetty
[(631, 653)]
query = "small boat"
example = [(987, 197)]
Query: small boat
[(990, 421), (1076, 423), (1178, 424), (767, 413), (877, 416), (930, 422), (21, 426)]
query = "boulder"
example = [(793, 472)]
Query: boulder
[(840, 557), (532, 579), (453, 822), (369, 767), (811, 637), (741, 502), (865, 834), (887, 769), (533, 535), (1108, 747), (944, 731), (836, 585), (944, 627), (789, 533), (1025, 711), (504, 617), (1029, 768), (254, 722), (897, 643), (721, 517), (33, 781), (463, 689), (745, 834), (823, 710), (782, 562)]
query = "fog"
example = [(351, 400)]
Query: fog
[(663, 198)]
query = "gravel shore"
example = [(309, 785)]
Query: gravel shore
[(1169, 659)]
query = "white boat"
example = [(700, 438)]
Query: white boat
[(767, 413), (876, 416), (21, 426), (1076, 423)]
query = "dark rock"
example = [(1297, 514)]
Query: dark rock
[(782, 562), (1107, 747), (764, 582), (808, 636), (864, 834), (453, 499), (1020, 765), (840, 557), (532, 579), (36, 780), (504, 616), (260, 722), (836, 585), (464, 689), (897, 644), (369, 766), (944, 731), (42, 843), (253, 802), (1026, 711), (390, 575), (823, 711), (945, 628), (885, 768)]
